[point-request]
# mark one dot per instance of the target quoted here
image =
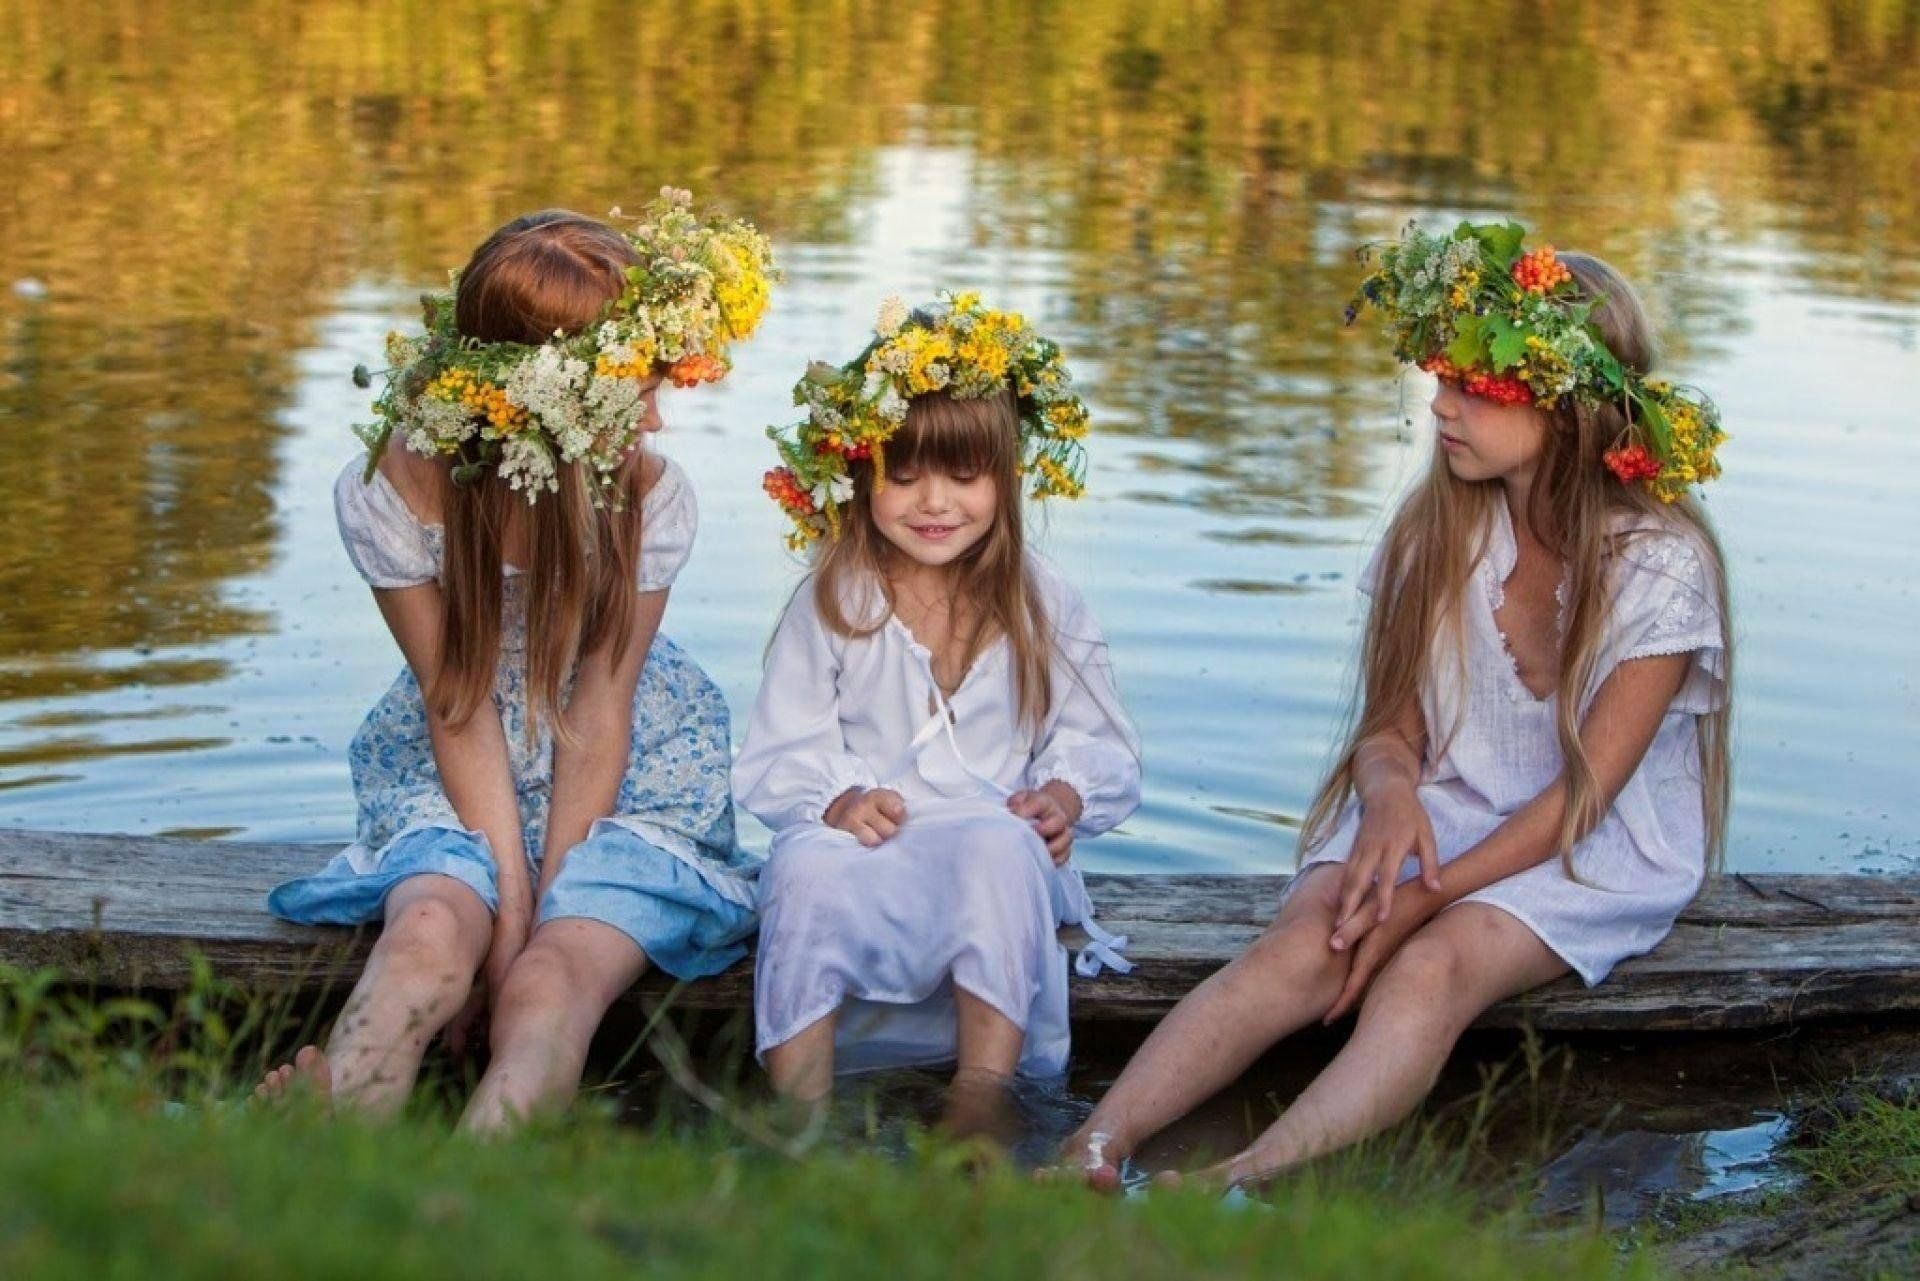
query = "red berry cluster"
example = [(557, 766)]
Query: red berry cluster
[(689, 371), (1540, 272), (1498, 388), (784, 488), (1441, 367), (1631, 463)]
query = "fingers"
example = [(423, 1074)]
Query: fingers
[(1358, 976), (1028, 804), (1386, 894), (1061, 848), (1358, 881), (1350, 931), (1429, 856), (891, 807)]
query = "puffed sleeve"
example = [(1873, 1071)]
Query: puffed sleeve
[(670, 519), (1088, 741), (795, 759), (1668, 602), (383, 540)]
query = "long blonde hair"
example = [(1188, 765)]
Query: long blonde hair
[(1573, 510), (547, 271), (951, 435)]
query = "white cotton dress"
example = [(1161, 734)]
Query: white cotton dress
[(965, 894), (1645, 861)]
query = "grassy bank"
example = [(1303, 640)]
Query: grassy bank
[(124, 1152)]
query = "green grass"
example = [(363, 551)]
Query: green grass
[(1871, 1148), (124, 1153)]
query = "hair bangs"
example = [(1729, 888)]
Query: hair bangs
[(957, 437)]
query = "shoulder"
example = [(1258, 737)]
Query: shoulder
[(385, 540), (1666, 584), (1661, 553), (1068, 616), (669, 520)]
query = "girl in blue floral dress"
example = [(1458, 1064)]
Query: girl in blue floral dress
[(543, 793)]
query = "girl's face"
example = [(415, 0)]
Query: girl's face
[(650, 420), (935, 517), (1486, 440)]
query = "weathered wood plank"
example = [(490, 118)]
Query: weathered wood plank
[(1750, 952)]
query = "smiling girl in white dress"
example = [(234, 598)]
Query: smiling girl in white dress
[(1540, 761), (938, 720)]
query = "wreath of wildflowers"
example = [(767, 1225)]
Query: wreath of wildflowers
[(1507, 324), (955, 345), (699, 284)]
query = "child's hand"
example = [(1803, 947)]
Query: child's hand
[(511, 926), (1378, 941), (1392, 825), (1053, 808), (871, 815)]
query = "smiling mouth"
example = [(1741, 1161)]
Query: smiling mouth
[(933, 531)]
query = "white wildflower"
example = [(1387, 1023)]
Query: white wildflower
[(832, 491), (893, 314), (526, 465)]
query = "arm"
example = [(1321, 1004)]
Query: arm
[(1087, 756), (472, 759), (1615, 733), (587, 773), (1386, 781), (794, 763)]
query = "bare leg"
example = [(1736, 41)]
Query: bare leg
[(801, 1067), (544, 1019), (1442, 979), (436, 935), (979, 1101), (1286, 980)]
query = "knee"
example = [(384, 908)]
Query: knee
[(424, 935), (803, 873), (542, 977), (1294, 953), (1425, 981), (1004, 853)]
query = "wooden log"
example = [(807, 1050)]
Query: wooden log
[(1752, 951)]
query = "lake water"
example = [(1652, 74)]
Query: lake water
[(212, 213)]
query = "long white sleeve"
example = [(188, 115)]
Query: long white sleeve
[(795, 759), (1088, 742)]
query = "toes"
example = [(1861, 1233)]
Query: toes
[(1104, 1177)]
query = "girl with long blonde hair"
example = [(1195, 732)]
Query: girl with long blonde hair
[(543, 803), (1536, 780), (937, 723)]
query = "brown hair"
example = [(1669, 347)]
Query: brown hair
[(540, 273), (953, 436), (1437, 535)]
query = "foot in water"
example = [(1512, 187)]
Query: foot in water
[(308, 1073), (1088, 1160), (980, 1105)]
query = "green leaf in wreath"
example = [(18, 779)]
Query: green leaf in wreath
[(1506, 342), (1469, 345)]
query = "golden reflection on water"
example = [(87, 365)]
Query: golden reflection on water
[(189, 188)]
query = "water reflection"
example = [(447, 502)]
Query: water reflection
[(212, 214)]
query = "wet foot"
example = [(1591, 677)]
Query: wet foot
[(980, 1106), (309, 1073), (1086, 1159)]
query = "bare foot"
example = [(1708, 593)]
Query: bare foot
[(980, 1106), (308, 1073), (1085, 1159)]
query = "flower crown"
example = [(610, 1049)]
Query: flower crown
[(1510, 326), (954, 345), (699, 283)]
